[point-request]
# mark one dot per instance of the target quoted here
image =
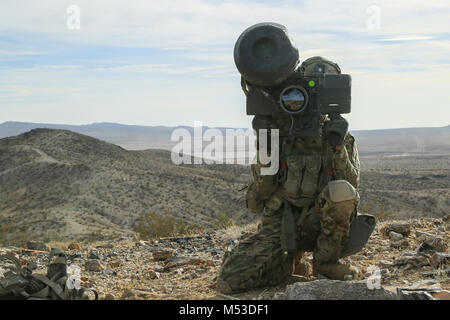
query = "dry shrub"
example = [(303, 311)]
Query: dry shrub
[(152, 226)]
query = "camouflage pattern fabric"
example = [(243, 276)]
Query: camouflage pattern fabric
[(258, 260), (322, 226), (335, 220), (346, 162)]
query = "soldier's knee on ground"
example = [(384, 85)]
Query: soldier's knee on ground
[(248, 268), (256, 262)]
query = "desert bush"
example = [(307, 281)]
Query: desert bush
[(152, 226), (224, 221)]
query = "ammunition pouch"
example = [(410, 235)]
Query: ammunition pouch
[(302, 175)]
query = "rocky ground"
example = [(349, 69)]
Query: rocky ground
[(410, 254)]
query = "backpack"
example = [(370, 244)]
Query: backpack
[(21, 284)]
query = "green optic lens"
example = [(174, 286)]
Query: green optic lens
[(311, 83)]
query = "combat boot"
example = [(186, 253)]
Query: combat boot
[(302, 266), (335, 270)]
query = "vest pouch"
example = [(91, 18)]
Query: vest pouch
[(302, 175), (295, 166), (310, 181)]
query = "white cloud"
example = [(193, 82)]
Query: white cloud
[(408, 52), (406, 38)]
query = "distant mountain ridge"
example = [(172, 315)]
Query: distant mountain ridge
[(136, 137)]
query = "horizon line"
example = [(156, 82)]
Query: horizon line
[(189, 126)]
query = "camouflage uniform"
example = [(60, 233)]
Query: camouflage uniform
[(321, 225)]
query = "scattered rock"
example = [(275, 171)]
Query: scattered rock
[(404, 294), (93, 265), (140, 243), (424, 235), (412, 259), (128, 295), (179, 261), (426, 284), (74, 246), (437, 243), (216, 251), (421, 290), (439, 259), (162, 254), (400, 244), (115, 264), (179, 271), (93, 255), (385, 263), (159, 268), (74, 256), (174, 262), (395, 236), (334, 290), (192, 263), (436, 273), (37, 245), (109, 271), (200, 261), (109, 296), (424, 247), (403, 228), (189, 276), (153, 274), (105, 246)]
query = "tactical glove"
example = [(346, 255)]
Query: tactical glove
[(335, 130)]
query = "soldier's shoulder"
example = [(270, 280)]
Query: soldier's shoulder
[(349, 137)]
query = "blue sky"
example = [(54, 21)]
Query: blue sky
[(171, 62)]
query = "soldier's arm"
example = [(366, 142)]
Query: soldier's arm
[(346, 161), (262, 186)]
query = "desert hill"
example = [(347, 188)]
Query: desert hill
[(58, 184)]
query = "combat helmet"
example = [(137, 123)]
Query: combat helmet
[(308, 66)]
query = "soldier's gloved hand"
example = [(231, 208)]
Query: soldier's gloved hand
[(335, 130)]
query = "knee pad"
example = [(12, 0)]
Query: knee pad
[(342, 190), (337, 204)]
